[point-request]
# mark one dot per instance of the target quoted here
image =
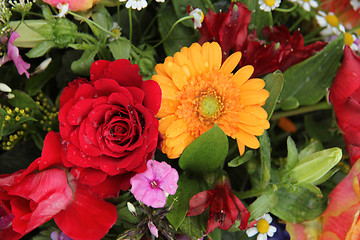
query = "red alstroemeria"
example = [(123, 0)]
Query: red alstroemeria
[(227, 28), (224, 209), (339, 219), (46, 190), (345, 97)]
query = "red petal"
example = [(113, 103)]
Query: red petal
[(86, 217), (152, 99), (199, 203), (97, 69), (51, 153), (124, 73)]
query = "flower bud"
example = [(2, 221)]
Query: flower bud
[(314, 166)]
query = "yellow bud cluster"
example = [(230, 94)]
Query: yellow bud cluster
[(50, 113), (10, 141)]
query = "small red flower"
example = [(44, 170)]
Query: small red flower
[(224, 209), (45, 191), (345, 97)]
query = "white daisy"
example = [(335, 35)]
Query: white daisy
[(262, 228), (352, 41), (355, 4), (306, 4), (198, 17), (268, 5), (330, 22), (137, 4)]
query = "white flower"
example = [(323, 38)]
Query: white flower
[(268, 5), (198, 17), (355, 4), (306, 4), (262, 228), (352, 41), (330, 22), (63, 9), (137, 4)]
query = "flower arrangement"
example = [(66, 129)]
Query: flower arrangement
[(179, 119)]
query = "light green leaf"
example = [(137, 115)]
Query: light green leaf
[(248, 155), (263, 204), (265, 158), (40, 49), (293, 156), (120, 48), (82, 65)]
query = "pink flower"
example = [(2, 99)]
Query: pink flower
[(74, 5), (152, 186), (13, 54), (153, 229)]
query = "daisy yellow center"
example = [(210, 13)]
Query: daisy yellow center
[(332, 20), (306, 0), (349, 40), (269, 2), (116, 31), (262, 226)]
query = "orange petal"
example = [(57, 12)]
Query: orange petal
[(179, 79), (253, 84), (182, 60), (176, 128), (165, 122), (242, 75), (196, 58), (168, 107), (254, 97), (159, 68), (249, 140), (258, 111), (253, 130), (231, 62), (241, 147), (215, 56)]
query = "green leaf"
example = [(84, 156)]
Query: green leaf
[(46, 12), (23, 100), (27, 30), (307, 81), (293, 156), (180, 37), (120, 48), (265, 158), (38, 139), (215, 235), (82, 65), (312, 188), (290, 103), (191, 226), (273, 83), (299, 206), (248, 155), (187, 188), (207, 153), (259, 18), (263, 204), (2, 120), (35, 83), (102, 17), (40, 49)]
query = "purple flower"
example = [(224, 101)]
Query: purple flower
[(155, 184), (5, 218), (13, 54), (59, 236)]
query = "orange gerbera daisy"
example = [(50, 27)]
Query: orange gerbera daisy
[(198, 92)]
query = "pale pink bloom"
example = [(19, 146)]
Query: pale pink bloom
[(154, 185), (153, 229), (13, 54)]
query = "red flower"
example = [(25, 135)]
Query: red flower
[(224, 209), (226, 28), (108, 125), (44, 191), (345, 97)]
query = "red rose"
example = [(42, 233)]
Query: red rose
[(345, 97), (108, 125), (47, 191)]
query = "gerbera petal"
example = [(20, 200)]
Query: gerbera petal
[(168, 107), (165, 122), (254, 97), (254, 130), (242, 75), (249, 140), (197, 58), (258, 111), (253, 84), (215, 56), (183, 61), (231, 62), (176, 128), (241, 147)]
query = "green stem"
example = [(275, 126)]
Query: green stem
[(171, 29), (286, 10), (90, 22), (296, 23), (130, 25), (302, 110)]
